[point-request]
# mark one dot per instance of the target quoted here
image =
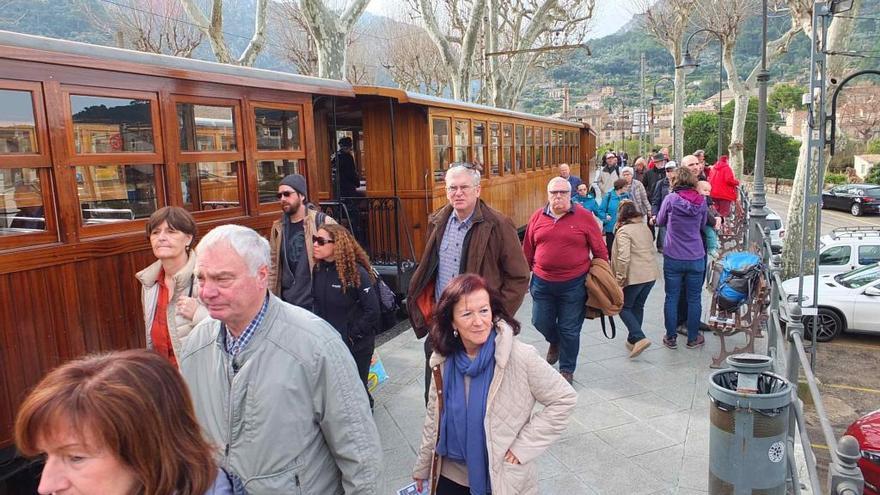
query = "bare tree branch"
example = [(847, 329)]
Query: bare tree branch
[(213, 29)]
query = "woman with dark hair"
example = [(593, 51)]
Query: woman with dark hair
[(635, 268), (480, 434), (169, 289), (117, 424), (608, 209), (343, 293), (683, 213)]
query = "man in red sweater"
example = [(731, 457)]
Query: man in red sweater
[(559, 242)]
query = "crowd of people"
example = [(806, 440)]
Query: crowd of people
[(254, 379)]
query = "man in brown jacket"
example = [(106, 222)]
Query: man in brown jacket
[(465, 236)]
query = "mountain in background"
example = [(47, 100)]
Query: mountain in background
[(614, 60)]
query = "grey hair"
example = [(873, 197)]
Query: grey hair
[(457, 168), (561, 181), (246, 242)]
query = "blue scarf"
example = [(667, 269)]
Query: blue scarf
[(462, 434)]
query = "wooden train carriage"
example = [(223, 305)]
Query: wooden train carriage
[(94, 139)]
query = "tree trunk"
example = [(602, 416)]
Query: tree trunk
[(678, 107)]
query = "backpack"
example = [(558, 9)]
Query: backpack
[(604, 296), (740, 271), (388, 306)]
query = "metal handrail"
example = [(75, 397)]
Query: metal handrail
[(844, 476)]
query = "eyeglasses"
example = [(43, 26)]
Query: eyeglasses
[(558, 193), (455, 189), (321, 241), (286, 194)]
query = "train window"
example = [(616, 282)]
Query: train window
[(539, 148), (507, 146), (480, 145), (494, 145), (530, 143), (205, 128), (111, 125), (209, 185), (548, 160), (269, 175), (462, 140), (554, 151), (18, 134), (21, 201), (115, 193), (520, 145), (277, 129), (440, 141)]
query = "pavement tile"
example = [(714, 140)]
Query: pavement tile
[(694, 472), (620, 476), (565, 484), (574, 453), (665, 464), (601, 415), (646, 405), (674, 426), (635, 439), (616, 388)]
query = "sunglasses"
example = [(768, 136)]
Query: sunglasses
[(321, 241), (285, 194)]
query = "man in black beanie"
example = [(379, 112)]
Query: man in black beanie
[(290, 241)]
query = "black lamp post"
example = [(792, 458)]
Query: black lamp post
[(655, 100), (758, 210), (690, 63)]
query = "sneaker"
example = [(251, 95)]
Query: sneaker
[(553, 354), (669, 342), (568, 375), (697, 342), (638, 347)]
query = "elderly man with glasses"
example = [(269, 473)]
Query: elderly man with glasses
[(291, 259), (560, 240), (466, 236)]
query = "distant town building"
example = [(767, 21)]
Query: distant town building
[(863, 163)]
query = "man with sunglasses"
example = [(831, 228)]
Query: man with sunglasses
[(290, 274), (560, 240), (465, 236)]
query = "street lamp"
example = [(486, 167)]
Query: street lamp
[(655, 100), (758, 210), (689, 64)]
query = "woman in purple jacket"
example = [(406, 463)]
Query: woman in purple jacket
[(683, 213)]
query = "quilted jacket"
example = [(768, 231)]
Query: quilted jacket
[(522, 378)]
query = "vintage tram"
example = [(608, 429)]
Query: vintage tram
[(94, 139)]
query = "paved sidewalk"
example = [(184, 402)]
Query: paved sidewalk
[(641, 426)]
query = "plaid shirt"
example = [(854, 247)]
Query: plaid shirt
[(450, 251), (235, 345)]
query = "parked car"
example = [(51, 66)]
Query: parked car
[(867, 431), (777, 231), (857, 199), (847, 301), (848, 248)]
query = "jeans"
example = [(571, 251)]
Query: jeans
[(609, 240), (362, 352), (661, 237), (633, 311), (558, 313), (687, 275)]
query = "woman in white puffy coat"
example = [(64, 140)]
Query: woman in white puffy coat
[(486, 437)]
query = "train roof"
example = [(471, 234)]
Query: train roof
[(435, 101), (73, 53), (23, 47)]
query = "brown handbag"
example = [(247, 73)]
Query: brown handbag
[(435, 461)]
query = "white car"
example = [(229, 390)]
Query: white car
[(847, 301), (847, 248), (777, 231)]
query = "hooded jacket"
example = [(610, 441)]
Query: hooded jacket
[(683, 213), (723, 181)]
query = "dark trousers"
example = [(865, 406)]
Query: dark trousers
[(362, 352), (687, 274), (428, 378), (609, 240), (633, 311), (446, 486), (558, 313)]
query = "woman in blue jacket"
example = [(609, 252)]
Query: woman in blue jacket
[(608, 209), (586, 197)]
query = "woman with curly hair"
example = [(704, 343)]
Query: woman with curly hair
[(344, 294)]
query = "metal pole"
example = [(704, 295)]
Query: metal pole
[(758, 212), (720, 100), (642, 123)]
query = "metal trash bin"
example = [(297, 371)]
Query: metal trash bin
[(748, 427)]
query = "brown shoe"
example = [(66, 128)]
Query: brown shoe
[(638, 347), (553, 354), (569, 377)]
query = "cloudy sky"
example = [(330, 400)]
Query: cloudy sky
[(610, 15)]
